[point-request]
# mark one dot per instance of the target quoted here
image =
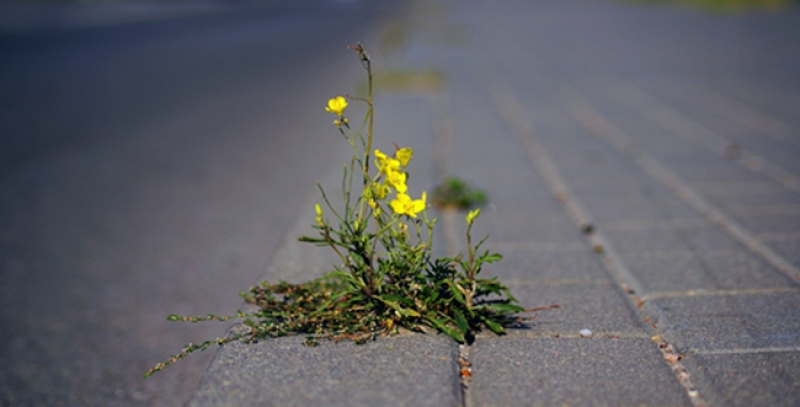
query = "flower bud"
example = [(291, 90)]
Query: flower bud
[(318, 209), (472, 215)]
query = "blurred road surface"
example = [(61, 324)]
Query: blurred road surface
[(153, 168)]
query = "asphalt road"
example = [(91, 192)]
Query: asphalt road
[(153, 168)]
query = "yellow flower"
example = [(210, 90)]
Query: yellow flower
[(403, 205), (404, 155), (386, 164), (397, 180), (337, 106), (472, 215)]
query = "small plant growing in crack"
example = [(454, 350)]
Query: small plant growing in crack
[(387, 279), (455, 193)]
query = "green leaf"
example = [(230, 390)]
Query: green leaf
[(461, 322), (347, 277), (478, 246), (456, 292), (491, 258), (453, 334), (398, 298), (403, 311), (494, 326), (406, 312), (331, 301), (441, 326), (311, 239)]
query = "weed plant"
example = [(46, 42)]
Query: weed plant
[(387, 279), (454, 193)]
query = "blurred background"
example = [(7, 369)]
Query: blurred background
[(152, 158)]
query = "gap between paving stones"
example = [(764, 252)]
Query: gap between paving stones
[(442, 135), (506, 104)]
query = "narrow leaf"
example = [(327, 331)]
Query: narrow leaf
[(456, 292), (461, 322), (494, 326)]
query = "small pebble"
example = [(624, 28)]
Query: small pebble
[(585, 333)]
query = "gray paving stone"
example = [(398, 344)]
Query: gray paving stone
[(643, 240), (490, 161), (603, 183), (547, 265), (710, 168), (776, 196), (583, 175), (752, 321), (686, 270), (731, 191), (788, 248), (764, 210), (710, 238), (518, 227), (535, 201), (771, 224), (752, 379), (387, 372), (576, 372), (620, 207), (596, 305), (705, 236)]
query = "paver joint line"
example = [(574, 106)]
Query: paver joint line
[(721, 292), (742, 351)]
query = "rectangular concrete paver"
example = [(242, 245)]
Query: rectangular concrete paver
[(596, 305), (741, 323), (770, 378), (409, 370), (574, 372), (690, 270)]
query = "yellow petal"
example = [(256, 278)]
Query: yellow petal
[(404, 155), (400, 204), (337, 105), (419, 204)]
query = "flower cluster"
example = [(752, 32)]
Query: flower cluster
[(392, 172)]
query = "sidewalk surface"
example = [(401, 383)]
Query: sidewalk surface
[(674, 133)]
